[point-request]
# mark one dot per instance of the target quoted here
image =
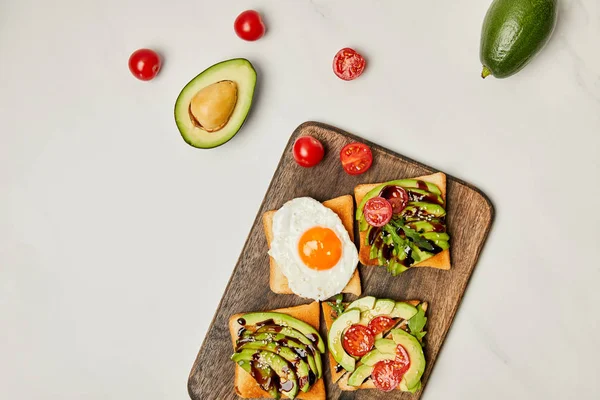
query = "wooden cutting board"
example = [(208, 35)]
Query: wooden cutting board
[(469, 218)]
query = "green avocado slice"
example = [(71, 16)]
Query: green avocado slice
[(436, 236), (334, 340), (302, 370), (299, 348), (283, 369), (265, 375), (269, 318), (420, 208), (360, 374), (420, 226), (374, 356), (240, 72), (364, 303), (413, 375), (403, 310), (387, 346), (381, 307), (292, 333)]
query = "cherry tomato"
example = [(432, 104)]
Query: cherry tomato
[(348, 64), (308, 151), (397, 196), (249, 25), (402, 358), (381, 324), (356, 158), (377, 211), (144, 64), (358, 340), (387, 375)]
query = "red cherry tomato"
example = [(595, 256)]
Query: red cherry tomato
[(377, 211), (381, 324), (144, 64), (358, 340), (387, 375), (402, 358), (308, 151), (249, 26), (397, 196), (356, 158), (348, 64)]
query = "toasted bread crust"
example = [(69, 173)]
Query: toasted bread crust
[(244, 384), (439, 261), (343, 206)]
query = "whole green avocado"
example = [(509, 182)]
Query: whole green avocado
[(513, 32)]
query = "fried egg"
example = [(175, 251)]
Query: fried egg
[(312, 248)]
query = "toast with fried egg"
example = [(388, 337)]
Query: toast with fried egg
[(343, 206)]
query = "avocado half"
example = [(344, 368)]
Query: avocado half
[(213, 106)]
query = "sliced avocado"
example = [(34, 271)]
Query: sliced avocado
[(420, 255), (299, 348), (403, 310), (420, 226), (374, 356), (419, 208), (302, 369), (417, 359), (349, 317), (360, 374), (265, 375), (292, 333), (436, 236), (283, 369), (212, 107), (387, 346), (421, 194), (381, 307), (442, 244), (269, 318), (365, 303)]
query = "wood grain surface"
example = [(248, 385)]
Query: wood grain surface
[(470, 215)]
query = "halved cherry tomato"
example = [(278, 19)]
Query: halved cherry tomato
[(402, 358), (386, 375), (381, 324), (358, 340), (397, 196), (144, 64), (377, 211), (348, 64), (249, 25), (308, 151), (356, 158)]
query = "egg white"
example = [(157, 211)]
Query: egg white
[(289, 223)]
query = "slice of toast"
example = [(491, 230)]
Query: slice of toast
[(244, 384), (441, 260), (343, 206), (341, 377)]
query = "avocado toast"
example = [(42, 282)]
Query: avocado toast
[(278, 353), (416, 236), (402, 333)]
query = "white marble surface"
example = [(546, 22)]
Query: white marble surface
[(117, 239)]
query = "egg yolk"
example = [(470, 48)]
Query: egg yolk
[(320, 248)]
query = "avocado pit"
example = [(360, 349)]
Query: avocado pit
[(211, 108)]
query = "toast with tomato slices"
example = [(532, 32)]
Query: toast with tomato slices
[(440, 260), (343, 206), (245, 385), (340, 375)]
